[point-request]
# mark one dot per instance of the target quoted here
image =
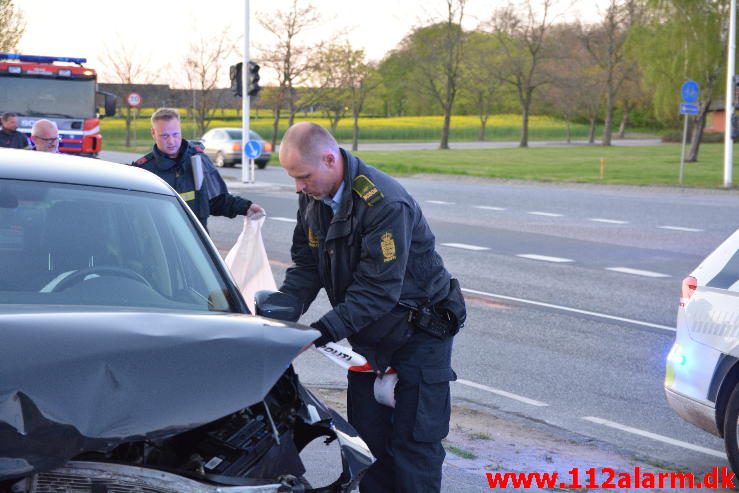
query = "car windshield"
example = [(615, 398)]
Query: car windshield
[(236, 135), (71, 245)]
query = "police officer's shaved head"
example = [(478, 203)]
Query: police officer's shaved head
[(165, 114), (309, 140), (311, 156)]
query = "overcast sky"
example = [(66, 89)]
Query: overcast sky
[(161, 30)]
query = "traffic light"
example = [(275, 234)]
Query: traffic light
[(235, 73), (253, 88)]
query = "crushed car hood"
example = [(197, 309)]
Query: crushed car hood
[(71, 382)]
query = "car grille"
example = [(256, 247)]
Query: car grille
[(53, 482)]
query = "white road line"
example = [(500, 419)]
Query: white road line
[(548, 214), (544, 258), (636, 272), (568, 309), (680, 228), (607, 221), (502, 393), (465, 246), (440, 202), (284, 219), (489, 208), (654, 436)]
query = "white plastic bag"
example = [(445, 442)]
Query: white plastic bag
[(248, 261)]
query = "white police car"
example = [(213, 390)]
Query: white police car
[(702, 376)]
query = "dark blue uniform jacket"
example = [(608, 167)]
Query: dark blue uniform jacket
[(377, 251)]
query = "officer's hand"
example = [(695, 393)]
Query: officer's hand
[(255, 211)]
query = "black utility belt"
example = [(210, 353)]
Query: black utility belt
[(428, 319)]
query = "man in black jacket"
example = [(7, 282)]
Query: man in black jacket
[(10, 137), (363, 238), (171, 159)]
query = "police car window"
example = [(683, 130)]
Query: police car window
[(728, 277), (90, 246)]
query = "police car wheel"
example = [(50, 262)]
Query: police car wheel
[(220, 160), (731, 431)]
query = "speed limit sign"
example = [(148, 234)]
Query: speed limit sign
[(134, 100)]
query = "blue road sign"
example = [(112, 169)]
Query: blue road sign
[(690, 92), (253, 149), (689, 109)]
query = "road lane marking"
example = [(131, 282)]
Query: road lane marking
[(544, 258), (636, 272), (465, 246), (502, 393), (654, 436), (680, 228), (607, 221), (489, 208), (547, 214), (568, 309), (440, 202), (284, 219)]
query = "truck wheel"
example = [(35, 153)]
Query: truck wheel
[(220, 160), (731, 440)]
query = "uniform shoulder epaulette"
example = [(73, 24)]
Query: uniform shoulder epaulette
[(367, 190), (144, 159), (198, 149)]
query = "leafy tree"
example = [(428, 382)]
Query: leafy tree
[(481, 71), (12, 26), (680, 40)]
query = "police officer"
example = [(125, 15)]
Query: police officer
[(364, 239), (10, 137), (170, 159)]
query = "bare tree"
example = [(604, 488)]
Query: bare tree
[(605, 42), (522, 37), (288, 57), (12, 26), (127, 69), (204, 64)]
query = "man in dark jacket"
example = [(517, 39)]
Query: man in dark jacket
[(196, 180), (364, 239), (10, 137)]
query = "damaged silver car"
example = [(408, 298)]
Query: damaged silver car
[(129, 361)]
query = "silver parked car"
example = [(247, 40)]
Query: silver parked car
[(702, 375), (223, 147), (129, 361)]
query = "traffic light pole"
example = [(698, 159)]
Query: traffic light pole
[(247, 165)]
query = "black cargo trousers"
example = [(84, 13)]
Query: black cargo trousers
[(406, 440)]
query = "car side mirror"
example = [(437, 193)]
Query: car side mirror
[(278, 305)]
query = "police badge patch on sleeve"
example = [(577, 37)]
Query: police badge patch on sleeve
[(387, 244), (312, 239)]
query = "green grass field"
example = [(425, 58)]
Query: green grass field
[(652, 165), (657, 165)]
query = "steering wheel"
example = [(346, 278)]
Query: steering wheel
[(104, 270)]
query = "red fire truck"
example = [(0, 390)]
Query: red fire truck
[(59, 89)]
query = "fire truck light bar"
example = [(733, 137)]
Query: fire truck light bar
[(41, 59)]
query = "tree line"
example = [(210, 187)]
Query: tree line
[(631, 61)]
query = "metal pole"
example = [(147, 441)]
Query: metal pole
[(247, 175), (728, 142), (682, 154)]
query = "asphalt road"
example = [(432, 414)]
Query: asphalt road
[(572, 291)]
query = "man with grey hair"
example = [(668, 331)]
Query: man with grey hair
[(363, 238), (45, 136), (10, 137), (196, 180)]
